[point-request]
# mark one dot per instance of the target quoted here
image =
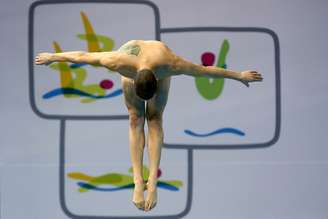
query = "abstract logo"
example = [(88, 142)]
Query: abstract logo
[(211, 88), (73, 76), (118, 181)]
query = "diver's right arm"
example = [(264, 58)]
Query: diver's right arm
[(111, 60)]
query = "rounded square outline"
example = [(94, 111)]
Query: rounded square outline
[(277, 93), (32, 8), (63, 204)]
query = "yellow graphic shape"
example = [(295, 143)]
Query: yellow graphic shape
[(66, 79), (116, 179), (69, 81), (94, 40)]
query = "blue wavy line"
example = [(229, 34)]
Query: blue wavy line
[(167, 186), (128, 186), (77, 65), (61, 91), (216, 132)]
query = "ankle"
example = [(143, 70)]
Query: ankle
[(138, 180), (139, 183), (152, 183)]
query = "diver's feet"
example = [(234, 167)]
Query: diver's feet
[(138, 196), (151, 198)]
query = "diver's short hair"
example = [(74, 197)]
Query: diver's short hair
[(145, 84)]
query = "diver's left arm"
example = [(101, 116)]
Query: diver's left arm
[(188, 68), (215, 72)]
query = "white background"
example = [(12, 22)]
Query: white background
[(288, 180)]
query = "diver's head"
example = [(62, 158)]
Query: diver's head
[(145, 84)]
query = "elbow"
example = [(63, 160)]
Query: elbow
[(80, 56), (109, 62)]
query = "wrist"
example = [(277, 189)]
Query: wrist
[(235, 75), (240, 76), (53, 57)]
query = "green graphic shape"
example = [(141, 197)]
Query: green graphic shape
[(115, 179), (210, 88), (145, 172), (107, 43)]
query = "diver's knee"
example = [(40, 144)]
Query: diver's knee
[(154, 117), (136, 120)]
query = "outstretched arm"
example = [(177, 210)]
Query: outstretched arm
[(215, 72), (189, 68), (106, 59)]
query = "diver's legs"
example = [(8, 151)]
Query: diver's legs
[(136, 109), (154, 111)]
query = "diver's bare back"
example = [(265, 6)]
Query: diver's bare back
[(148, 54)]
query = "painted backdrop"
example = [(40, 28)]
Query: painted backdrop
[(230, 151)]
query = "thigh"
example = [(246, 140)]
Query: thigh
[(132, 101), (156, 105)]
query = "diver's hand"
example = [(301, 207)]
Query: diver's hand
[(250, 76), (43, 58)]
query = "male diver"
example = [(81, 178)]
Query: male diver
[(146, 68)]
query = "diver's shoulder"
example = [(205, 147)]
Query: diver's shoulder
[(144, 42), (131, 42), (158, 44), (155, 42)]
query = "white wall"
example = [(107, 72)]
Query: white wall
[(286, 180)]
